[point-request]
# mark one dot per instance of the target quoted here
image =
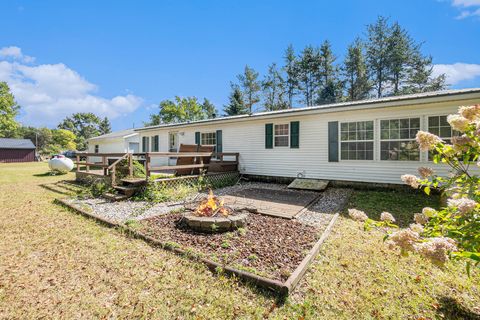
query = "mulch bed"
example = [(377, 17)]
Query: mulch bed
[(271, 247)]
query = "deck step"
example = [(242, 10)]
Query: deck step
[(115, 197), (128, 190), (134, 181)]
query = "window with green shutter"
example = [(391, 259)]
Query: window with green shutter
[(333, 141), (269, 136), (219, 147), (197, 138), (156, 143), (295, 134)]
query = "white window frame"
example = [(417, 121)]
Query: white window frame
[(380, 140), (373, 140), (427, 128), (281, 135), (208, 132)]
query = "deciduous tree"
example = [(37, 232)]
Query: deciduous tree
[(8, 111)]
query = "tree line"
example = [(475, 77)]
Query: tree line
[(386, 61), (71, 133)]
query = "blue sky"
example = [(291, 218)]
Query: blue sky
[(121, 58)]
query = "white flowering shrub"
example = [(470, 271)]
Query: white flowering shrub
[(453, 231)]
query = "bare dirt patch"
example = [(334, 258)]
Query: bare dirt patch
[(268, 246)]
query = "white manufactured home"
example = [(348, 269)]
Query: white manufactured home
[(362, 141)]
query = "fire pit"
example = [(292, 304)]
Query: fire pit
[(211, 215)]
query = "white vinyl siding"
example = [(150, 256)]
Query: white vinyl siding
[(312, 158)]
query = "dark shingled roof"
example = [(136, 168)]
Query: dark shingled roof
[(6, 143)]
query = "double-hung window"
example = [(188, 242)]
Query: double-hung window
[(438, 125), (397, 139), (208, 138), (281, 135), (356, 140)]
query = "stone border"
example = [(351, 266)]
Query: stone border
[(281, 288), (216, 224)]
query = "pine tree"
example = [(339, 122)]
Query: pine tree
[(308, 73), (400, 50), (291, 71), (209, 109), (236, 105), (420, 76), (105, 127), (377, 53), (273, 87), (250, 86), (330, 87), (358, 85)]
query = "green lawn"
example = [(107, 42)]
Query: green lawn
[(57, 264)]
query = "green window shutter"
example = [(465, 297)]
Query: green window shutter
[(268, 135), (219, 147), (156, 143), (197, 138), (144, 144), (333, 141), (294, 134)]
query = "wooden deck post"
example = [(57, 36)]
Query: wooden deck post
[(147, 165), (104, 162), (114, 174), (78, 163), (130, 165)]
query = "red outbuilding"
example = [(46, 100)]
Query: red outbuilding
[(16, 150)]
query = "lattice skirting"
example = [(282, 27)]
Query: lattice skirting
[(213, 180)]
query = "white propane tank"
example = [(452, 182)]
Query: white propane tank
[(60, 164)]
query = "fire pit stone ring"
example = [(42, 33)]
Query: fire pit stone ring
[(216, 224)]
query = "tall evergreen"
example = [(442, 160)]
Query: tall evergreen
[(250, 86), (236, 103), (378, 41), (330, 86), (400, 50), (273, 86), (105, 127), (209, 109), (420, 76), (308, 74), (358, 85), (291, 71)]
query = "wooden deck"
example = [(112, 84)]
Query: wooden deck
[(278, 203)]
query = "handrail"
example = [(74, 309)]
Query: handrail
[(117, 161)]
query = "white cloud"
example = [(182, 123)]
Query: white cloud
[(50, 92), (466, 3), (457, 72), (15, 53), (469, 8)]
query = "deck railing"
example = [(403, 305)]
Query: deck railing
[(217, 161)]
